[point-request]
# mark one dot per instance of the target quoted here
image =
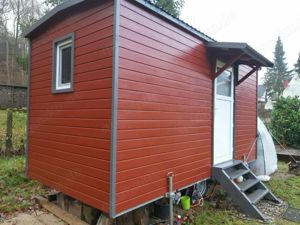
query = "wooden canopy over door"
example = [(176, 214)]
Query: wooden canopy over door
[(245, 62)]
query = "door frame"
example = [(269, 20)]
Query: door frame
[(232, 70)]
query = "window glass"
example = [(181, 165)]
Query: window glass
[(66, 65), (224, 84)]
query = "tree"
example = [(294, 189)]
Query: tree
[(297, 66), (25, 14), (3, 17), (170, 6), (52, 3), (276, 76)]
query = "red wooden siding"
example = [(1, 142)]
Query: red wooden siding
[(246, 114), (164, 114), (69, 142)]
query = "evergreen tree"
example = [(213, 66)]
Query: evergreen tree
[(276, 76), (297, 66), (170, 6)]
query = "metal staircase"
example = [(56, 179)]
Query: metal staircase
[(247, 193)]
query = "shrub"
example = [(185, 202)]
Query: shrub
[(19, 130), (285, 121)]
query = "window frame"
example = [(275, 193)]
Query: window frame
[(58, 45)]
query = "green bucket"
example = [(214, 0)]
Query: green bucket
[(185, 202)]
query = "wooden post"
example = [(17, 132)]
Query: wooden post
[(60, 213), (8, 142)]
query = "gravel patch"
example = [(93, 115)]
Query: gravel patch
[(271, 209)]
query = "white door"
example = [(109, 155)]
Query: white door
[(223, 117)]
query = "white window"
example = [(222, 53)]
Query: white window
[(63, 64)]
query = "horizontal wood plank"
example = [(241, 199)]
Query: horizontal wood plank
[(246, 116), (69, 133), (164, 107)]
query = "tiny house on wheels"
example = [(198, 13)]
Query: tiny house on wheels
[(122, 94)]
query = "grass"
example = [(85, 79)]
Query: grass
[(19, 129), (16, 191), (283, 186), (211, 216), (287, 188)]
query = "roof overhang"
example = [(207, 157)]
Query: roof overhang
[(235, 54), (146, 3), (246, 54), (161, 12), (63, 6)]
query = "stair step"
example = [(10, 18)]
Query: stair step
[(236, 173), (245, 194), (245, 185), (228, 164), (257, 195)]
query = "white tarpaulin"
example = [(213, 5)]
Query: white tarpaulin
[(266, 162)]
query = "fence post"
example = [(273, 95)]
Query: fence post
[(8, 142)]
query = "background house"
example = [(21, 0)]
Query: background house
[(293, 87)]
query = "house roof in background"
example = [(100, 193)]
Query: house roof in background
[(293, 88)]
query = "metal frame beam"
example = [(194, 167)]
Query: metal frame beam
[(114, 116)]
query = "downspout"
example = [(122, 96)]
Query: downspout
[(170, 195)]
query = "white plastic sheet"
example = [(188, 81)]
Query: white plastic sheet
[(266, 162)]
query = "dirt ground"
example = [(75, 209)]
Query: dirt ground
[(37, 218)]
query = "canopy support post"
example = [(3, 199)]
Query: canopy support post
[(247, 75), (228, 64)]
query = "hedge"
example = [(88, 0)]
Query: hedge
[(285, 121)]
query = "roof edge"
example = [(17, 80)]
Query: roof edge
[(174, 19), (243, 47), (251, 50), (45, 18), (69, 3), (233, 45)]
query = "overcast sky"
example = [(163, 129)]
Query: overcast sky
[(257, 22)]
